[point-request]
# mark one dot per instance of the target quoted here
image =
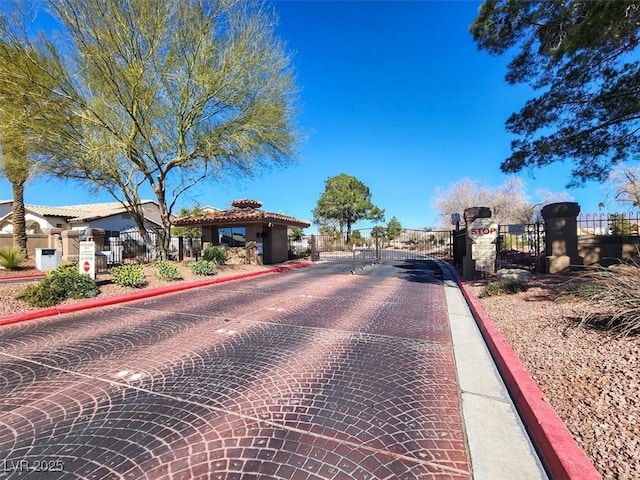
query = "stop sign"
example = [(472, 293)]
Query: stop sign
[(482, 230)]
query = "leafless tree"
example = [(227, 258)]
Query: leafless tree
[(509, 202)]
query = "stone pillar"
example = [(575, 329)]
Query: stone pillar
[(314, 249), (96, 235), (181, 248), (208, 237), (55, 239), (70, 245), (470, 214), (561, 236)]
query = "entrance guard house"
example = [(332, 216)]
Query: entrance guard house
[(246, 225)]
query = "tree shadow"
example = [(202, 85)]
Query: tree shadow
[(419, 271)]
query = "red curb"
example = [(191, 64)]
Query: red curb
[(31, 276), (560, 452), (103, 302)]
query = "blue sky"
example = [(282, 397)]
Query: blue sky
[(394, 93)]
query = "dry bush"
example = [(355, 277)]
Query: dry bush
[(615, 305)]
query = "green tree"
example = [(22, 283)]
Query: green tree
[(329, 231), (620, 224), (188, 232), (168, 93), (581, 55), (14, 164), (25, 101), (394, 228), (344, 202), (296, 234), (356, 239), (379, 232)]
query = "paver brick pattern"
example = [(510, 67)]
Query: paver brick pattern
[(312, 374)]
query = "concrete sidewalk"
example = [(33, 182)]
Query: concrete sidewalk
[(499, 444)]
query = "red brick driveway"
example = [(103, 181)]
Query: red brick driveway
[(309, 374)]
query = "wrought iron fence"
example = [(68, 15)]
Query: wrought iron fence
[(459, 246), (609, 223), (375, 245), (130, 247), (520, 246)]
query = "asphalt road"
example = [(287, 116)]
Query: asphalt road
[(309, 374)]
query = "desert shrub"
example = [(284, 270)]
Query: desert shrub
[(167, 271), (67, 267), (204, 267), (503, 287), (60, 284), (615, 303), (11, 257), (578, 289), (128, 275), (215, 254)]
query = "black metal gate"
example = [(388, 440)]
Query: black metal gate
[(521, 246), (371, 245)]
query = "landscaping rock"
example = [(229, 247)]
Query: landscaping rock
[(516, 274)]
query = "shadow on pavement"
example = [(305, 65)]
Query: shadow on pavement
[(420, 271)]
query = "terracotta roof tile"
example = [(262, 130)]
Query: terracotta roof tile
[(241, 215)]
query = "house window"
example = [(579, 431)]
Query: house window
[(232, 236)]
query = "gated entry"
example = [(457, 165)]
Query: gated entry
[(374, 245), (520, 246)]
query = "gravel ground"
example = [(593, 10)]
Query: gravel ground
[(8, 290), (590, 377)]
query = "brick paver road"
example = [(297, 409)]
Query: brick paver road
[(309, 374)]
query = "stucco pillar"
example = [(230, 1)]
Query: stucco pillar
[(55, 238), (70, 245), (561, 236), (469, 215), (95, 235), (208, 237)]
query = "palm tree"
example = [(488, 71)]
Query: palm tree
[(15, 166), (26, 93)]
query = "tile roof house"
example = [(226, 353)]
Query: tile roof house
[(245, 224), (243, 212), (107, 216)]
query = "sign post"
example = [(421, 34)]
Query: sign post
[(87, 259), (483, 232)]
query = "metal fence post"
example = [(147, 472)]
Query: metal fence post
[(353, 270)]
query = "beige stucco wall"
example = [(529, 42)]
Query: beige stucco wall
[(605, 250), (70, 245), (278, 245), (33, 242), (209, 235), (275, 244)]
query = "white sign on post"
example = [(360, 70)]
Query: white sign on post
[(87, 259), (483, 254), (483, 232)]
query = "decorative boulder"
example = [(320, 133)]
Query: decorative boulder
[(516, 274)]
